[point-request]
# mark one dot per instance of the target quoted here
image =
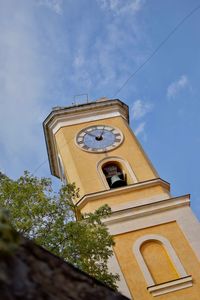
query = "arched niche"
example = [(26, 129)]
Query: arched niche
[(158, 261), (174, 269)]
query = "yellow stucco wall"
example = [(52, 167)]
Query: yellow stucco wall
[(81, 166), (123, 197), (132, 272), (150, 250)]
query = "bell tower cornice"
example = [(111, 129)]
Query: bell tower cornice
[(126, 191), (88, 112)]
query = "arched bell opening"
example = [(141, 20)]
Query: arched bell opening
[(114, 174), (124, 172)]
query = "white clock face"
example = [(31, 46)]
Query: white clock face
[(99, 138)]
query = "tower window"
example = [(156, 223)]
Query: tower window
[(61, 170), (114, 175)]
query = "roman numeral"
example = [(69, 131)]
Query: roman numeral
[(79, 140)]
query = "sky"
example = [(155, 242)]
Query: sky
[(53, 50)]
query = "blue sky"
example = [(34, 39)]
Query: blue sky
[(52, 50)]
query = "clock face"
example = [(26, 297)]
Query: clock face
[(99, 138)]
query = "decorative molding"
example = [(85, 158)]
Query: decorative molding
[(152, 207), (122, 190), (123, 162), (169, 249), (93, 112), (170, 286)]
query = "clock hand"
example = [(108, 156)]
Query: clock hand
[(97, 137), (91, 134), (102, 132)]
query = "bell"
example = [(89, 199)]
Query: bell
[(116, 181)]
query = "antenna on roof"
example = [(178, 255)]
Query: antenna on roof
[(83, 99)]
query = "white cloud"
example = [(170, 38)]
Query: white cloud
[(139, 109), (43, 63), (120, 7), (22, 84), (140, 128), (54, 5), (175, 87), (101, 60)]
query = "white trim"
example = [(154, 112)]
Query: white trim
[(86, 116), (171, 286), (168, 247), (114, 268), (61, 170), (166, 287), (138, 210), (123, 162), (66, 121)]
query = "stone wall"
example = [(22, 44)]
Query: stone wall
[(32, 273)]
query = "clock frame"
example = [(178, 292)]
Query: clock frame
[(99, 138)]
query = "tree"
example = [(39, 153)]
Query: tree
[(49, 219)]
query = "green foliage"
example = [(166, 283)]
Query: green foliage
[(49, 218), (9, 238)]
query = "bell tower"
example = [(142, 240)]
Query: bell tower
[(157, 249)]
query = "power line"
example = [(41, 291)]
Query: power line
[(146, 61), (158, 47), (40, 165), (46, 160)]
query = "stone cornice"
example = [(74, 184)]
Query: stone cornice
[(123, 190), (154, 206)]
